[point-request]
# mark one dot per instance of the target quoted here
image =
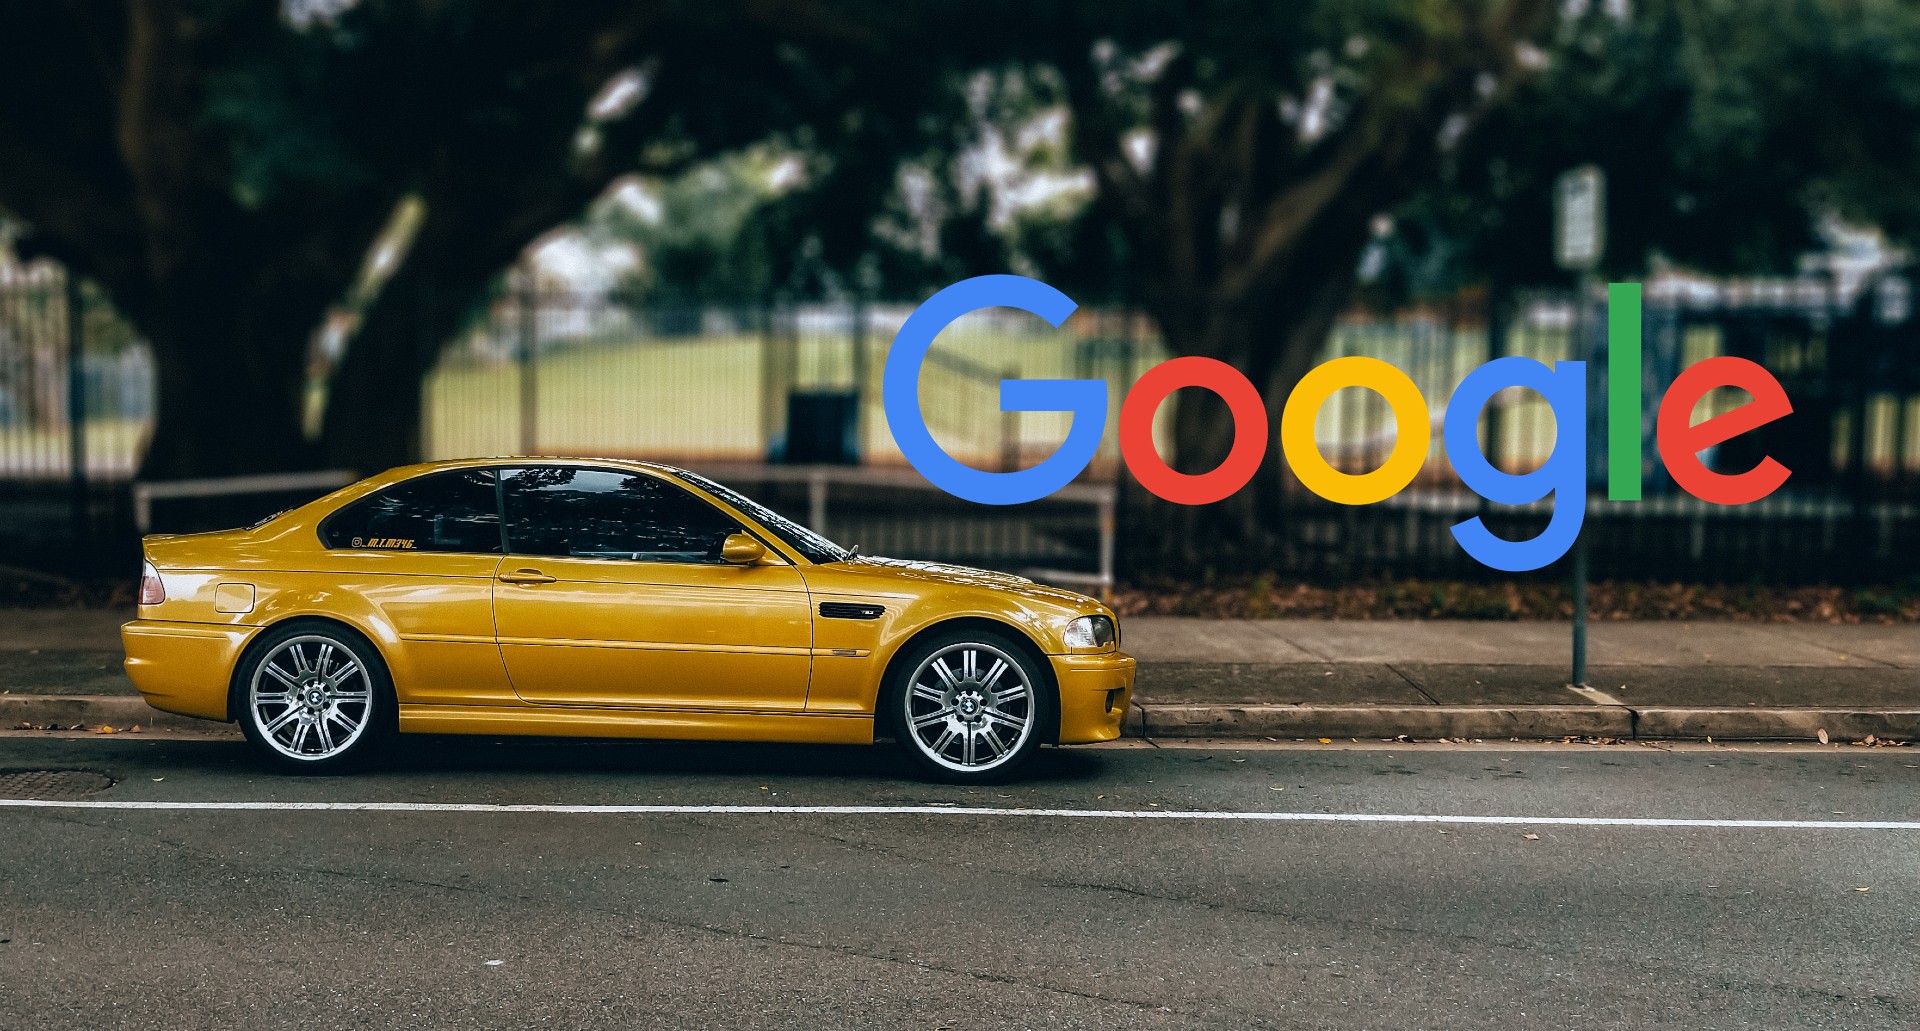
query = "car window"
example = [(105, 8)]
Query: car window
[(603, 513), (801, 539), (456, 510)]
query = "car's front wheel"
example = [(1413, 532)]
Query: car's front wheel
[(970, 705), (313, 697)]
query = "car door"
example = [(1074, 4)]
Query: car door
[(422, 553), (613, 594)]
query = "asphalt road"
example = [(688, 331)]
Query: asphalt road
[(820, 920)]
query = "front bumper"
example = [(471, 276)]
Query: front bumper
[(1095, 691), (183, 667)]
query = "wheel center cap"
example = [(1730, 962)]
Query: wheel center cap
[(314, 698)]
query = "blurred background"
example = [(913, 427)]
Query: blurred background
[(251, 251)]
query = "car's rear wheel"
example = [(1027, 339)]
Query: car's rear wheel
[(970, 706), (313, 697)]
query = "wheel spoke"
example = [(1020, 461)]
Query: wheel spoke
[(931, 718), (966, 755), (272, 698), (944, 672), (323, 660), (340, 717), (994, 744), (1016, 693), (931, 694), (281, 675), (339, 676), (291, 712), (300, 666), (940, 743), (1004, 720), (993, 674), (326, 735), (969, 665), (300, 731)]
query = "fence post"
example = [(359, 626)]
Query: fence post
[(77, 405), (1009, 432), (1107, 520), (529, 386), (858, 317), (817, 502)]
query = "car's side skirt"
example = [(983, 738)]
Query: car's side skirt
[(680, 724)]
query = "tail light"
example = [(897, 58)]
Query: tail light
[(152, 591)]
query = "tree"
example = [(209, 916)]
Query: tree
[(222, 170), (1242, 151)]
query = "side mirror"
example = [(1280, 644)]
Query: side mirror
[(742, 549)]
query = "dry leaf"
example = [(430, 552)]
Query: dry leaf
[(1822, 735), (1532, 837), (1326, 741), (104, 729), (1863, 889)]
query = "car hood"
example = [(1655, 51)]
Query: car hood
[(883, 570)]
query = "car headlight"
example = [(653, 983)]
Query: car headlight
[(1091, 632)]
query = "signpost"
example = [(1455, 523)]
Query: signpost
[(1579, 239)]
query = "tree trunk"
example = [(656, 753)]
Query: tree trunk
[(374, 404), (231, 339)]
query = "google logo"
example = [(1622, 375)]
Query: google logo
[(1563, 385)]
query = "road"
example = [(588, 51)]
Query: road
[(484, 917)]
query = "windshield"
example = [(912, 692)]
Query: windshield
[(815, 547)]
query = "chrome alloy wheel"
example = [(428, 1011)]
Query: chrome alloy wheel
[(310, 698), (969, 707)]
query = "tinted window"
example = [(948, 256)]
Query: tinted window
[(797, 537), (600, 513), (450, 511)]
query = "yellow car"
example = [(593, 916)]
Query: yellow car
[(605, 598)]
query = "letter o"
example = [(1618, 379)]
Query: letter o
[(1249, 430), (1302, 450)]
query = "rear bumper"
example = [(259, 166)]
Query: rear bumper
[(183, 667), (1095, 691)]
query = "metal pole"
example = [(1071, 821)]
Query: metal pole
[(529, 385), (1586, 350), (77, 405), (859, 327), (1106, 545), (817, 502)]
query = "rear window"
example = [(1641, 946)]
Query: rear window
[(456, 510)]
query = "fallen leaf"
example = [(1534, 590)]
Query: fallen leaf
[(1531, 837), (1326, 741), (1863, 889), (1822, 735), (104, 729)]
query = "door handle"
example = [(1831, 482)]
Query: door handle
[(526, 576)]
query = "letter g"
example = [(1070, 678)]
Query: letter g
[(900, 395)]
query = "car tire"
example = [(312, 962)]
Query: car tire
[(314, 697), (970, 706)]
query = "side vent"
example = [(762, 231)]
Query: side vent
[(849, 610)]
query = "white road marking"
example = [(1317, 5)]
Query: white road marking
[(944, 810)]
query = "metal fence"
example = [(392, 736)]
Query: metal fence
[(767, 383)]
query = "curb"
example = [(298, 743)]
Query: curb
[(1173, 722), (1249, 722), (120, 712)]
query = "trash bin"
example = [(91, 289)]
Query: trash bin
[(822, 428)]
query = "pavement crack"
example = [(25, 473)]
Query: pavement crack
[(1402, 674)]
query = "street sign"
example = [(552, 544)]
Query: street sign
[(1580, 218)]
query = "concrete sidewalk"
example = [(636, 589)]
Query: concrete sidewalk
[(1307, 678), (1332, 678)]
